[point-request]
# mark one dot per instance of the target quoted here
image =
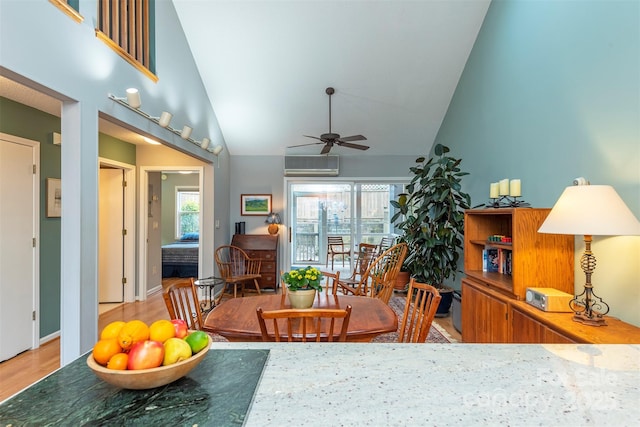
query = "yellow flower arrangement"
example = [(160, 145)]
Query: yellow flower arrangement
[(303, 278)]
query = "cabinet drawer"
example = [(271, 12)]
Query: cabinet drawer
[(267, 267), (263, 255), (268, 280)]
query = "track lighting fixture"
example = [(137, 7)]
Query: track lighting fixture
[(217, 149), (133, 98), (133, 102), (186, 132)]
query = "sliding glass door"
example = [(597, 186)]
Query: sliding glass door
[(356, 211)]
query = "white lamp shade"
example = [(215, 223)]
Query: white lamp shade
[(595, 210), (186, 132), (205, 143), (217, 149), (133, 98), (165, 119)]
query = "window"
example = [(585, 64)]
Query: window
[(187, 211), (127, 27)]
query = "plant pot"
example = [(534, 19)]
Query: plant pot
[(302, 299), (402, 280), (445, 303)]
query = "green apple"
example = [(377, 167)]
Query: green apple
[(197, 340), (176, 350)]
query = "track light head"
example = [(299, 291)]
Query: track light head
[(133, 98)]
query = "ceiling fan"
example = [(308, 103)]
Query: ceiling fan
[(330, 139)]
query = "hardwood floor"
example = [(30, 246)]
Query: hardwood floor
[(31, 366)]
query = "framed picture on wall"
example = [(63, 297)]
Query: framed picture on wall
[(54, 198), (255, 204)]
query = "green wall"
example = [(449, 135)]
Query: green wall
[(26, 122)]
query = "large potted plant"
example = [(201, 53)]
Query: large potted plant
[(302, 285), (432, 221)]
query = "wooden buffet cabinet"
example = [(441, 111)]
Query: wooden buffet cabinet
[(493, 310), (265, 248)]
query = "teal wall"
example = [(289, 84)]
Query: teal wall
[(551, 92), (26, 122)]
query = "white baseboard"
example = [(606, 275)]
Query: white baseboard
[(49, 337)]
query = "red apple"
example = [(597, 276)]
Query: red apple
[(146, 355), (182, 330)]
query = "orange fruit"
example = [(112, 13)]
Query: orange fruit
[(161, 330), (112, 330), (118, 361), (132, 332), (105, 349)]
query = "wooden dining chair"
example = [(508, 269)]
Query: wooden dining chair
[(379, 279), (236, 268), (336, 246), (419, 311), (330, 282), (366, 254), (181, 299), (304, 325), (385, 243)]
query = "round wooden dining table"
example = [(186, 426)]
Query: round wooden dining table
[(236, 319)]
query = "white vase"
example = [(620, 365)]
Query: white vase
[(302, 299)]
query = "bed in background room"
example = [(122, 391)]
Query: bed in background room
[(180, 258)]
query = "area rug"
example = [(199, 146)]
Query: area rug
[(437, 335)]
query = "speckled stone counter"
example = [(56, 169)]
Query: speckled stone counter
[(333, 384)]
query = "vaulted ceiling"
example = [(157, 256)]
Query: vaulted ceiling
[(394, 66)]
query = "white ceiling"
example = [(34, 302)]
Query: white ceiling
[(266, 64)]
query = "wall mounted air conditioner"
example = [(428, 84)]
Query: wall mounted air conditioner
[(311, 166)]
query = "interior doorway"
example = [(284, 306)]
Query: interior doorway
[(151, 225), (19, 246), (116, 233)]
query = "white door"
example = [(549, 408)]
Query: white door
[(110, 236), (18, 217)]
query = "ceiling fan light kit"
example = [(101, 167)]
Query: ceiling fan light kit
[(330, 139)]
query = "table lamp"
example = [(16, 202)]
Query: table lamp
[(590, 210), (273, 219)]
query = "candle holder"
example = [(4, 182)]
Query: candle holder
[(507, 202)]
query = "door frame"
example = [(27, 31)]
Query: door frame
[(129, 224), (35, 145), (143, 220)]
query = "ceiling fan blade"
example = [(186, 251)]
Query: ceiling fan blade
[(326, 149), (350, 145), (314, 137), (304, 145), (353, 138)]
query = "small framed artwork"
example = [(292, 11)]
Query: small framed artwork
[(255, 204), (54, 198)]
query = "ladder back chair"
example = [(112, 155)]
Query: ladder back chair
[(336, 246), (303, 325), (182, 302), (419, 311), (367, 253), (379, 279), (330, 282), (236, 268)]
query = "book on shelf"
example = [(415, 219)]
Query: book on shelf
[(497, 260)]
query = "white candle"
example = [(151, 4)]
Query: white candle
[(493, 190), (504, 187), (514, 188)]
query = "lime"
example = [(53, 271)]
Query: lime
[(197, 341)]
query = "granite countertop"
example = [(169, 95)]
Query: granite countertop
[(363, 384)]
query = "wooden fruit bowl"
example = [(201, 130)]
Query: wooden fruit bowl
[(142, 379)]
